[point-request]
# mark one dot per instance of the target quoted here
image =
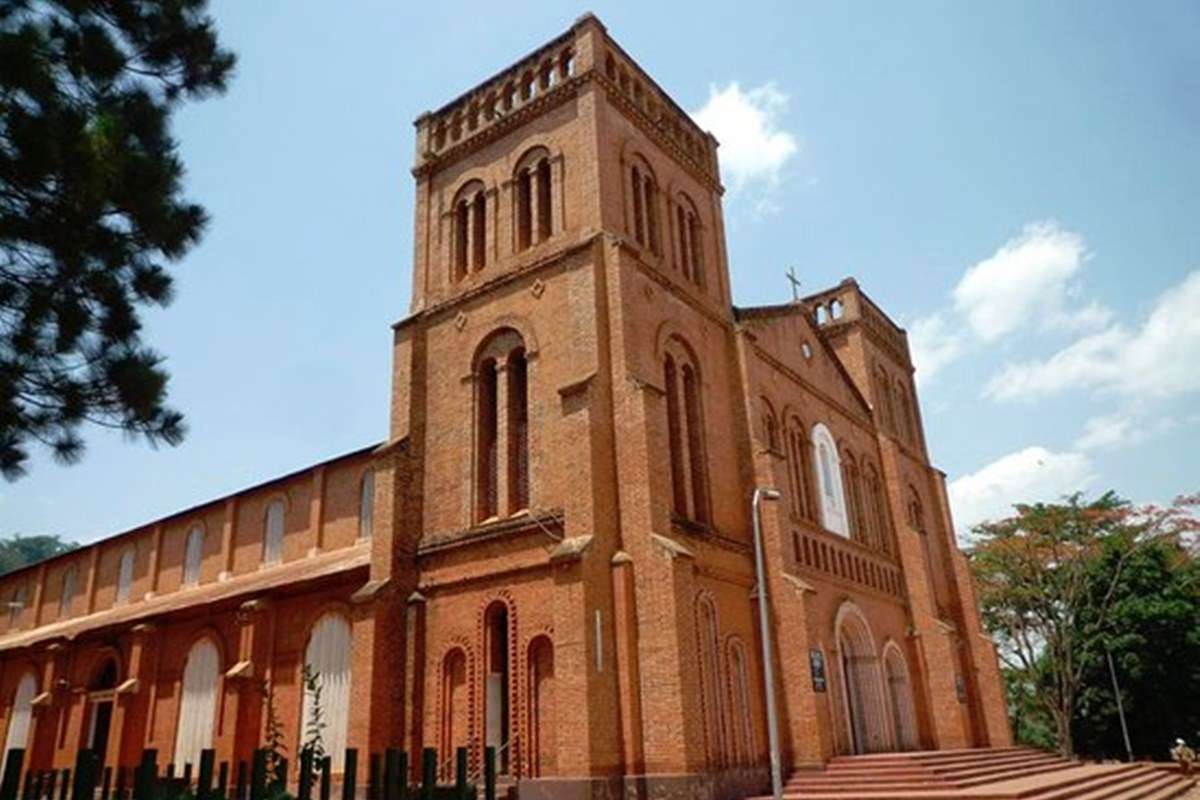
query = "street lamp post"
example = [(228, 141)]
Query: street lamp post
[(762, 493)]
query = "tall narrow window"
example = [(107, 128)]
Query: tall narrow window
[(833, 501), (685, 421), (678, 476), (695, 250), (273, 533), (739, 691), (198, 704), (691, 401), (800, 471), (193, 554), (636, 189), (543, 200), (502, 482), (709, 659), (462, 226), (486, 460), (16, 605), (879, 501), (125, 575), (854, 498), (366, 505), (685, 259), (479, 231), (651, 203), (518, 431), (524, 209), (66, 599), (328, 657)]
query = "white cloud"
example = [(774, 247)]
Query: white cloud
[(1028, 281), (1121, 429), (1157, 360), (934, 345), (754, 147), (1034, 474)]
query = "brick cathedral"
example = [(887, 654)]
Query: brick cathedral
[(551, 553)]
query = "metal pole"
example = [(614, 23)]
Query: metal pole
[(760, 494), (1120, 706)]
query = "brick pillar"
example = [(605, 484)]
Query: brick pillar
[(244, 680), (377, 671), (933, 639), (131, 703), (43, 729), (628, 672)]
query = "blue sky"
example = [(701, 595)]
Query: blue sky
[(1016, 183)]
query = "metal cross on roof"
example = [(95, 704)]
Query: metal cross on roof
[(791, 276)]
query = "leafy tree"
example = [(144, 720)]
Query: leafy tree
[(91, 211), (314, 728), (21, 551), (1044, 599), (273, 735), (1153, 633)]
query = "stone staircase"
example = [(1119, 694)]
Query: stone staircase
[(1008, 773)]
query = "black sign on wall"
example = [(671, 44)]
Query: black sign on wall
[(816, 663)]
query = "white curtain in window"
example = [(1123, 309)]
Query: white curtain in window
[(829, 473), (193, 553), (273, 533), (125, 576), (328, 655), (197, 704), (17, 605), (22, 714), (366, 505)]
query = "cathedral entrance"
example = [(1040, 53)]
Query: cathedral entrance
[(496, 683), (866, 717)]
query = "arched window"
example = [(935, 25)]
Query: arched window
[(833, 499), (904, 410), (739, 691), (470, 229), (125, 575), (770, 428), (643, 191), (852, 483), (800, 471), (21, 714), (328, 658), (685, 428), (709, 659), (273, 532), (900, 694), (193, 555), (635, 191), (197, 704), (16, 605), (502, 426), (886, 418), (66, 598), (534, 198), (916, 512), (689, 241), (883, 537), (456, 720), (542, 722), (366, 505)]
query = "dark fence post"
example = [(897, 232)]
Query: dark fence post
[(87, 763), (428, 772), (489, 773), (120, 790), (204, 778), (391, 776), (64, 787), (460, 773), (280, 781), (51, 782), (306, 770), (349, 774), (240, 791), (146, 776), (223, 781), (10, 784), (373, 778), (402, 774), (106, 784), (258, 775), (326, 768), (27, 789)]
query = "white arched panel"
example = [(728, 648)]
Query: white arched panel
[(22, 714), (198, 704), (125, 575), (366, 505), (829, 476), (273, 533), (328, 655), (192, 556)]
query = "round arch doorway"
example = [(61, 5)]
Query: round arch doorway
[(862, 690)]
